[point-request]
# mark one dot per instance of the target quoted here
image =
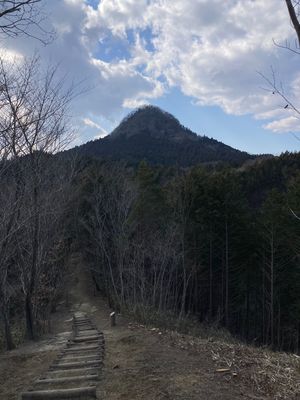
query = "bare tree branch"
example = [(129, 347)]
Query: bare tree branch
[(294, 17), (278, 89), (294, 214), (34, 108), (23, 18)]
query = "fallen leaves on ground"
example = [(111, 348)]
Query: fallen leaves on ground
[(273, 374)]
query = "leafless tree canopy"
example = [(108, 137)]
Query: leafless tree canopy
[(34, 108), (23, 18), (274, 85), (34, 124)]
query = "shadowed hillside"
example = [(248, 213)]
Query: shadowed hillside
[(157, 137)]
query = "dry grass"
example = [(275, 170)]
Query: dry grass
[(170, 321), (18, 333), (269, 373), (272, 374)]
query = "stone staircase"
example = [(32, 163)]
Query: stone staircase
[(76, 371)]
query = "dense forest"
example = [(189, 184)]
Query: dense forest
[(198, 238), (219, 245)]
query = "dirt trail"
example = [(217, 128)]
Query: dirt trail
[(140, 363)]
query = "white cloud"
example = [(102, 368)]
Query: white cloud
[(210, 49), (288, 124), (11, 56), (101, 132), (91, 123), (117, 16)]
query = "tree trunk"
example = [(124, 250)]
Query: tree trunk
[(272, 290), (7, 331), (247, 304), (226, 277), (210, 313), (294, 18), (29, 318), (279, 328), (185, 284), (30, 333), (263, 324)]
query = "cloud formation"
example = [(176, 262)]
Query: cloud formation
[(101, 131), (129, 52)]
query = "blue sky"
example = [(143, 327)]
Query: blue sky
[(200, 60), (241, 132)]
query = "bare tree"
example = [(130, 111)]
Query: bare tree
[(274, 86), (108, 226), (34, 108), (293, 7), (34, 122), (10, 201), (139, 267), (19, 18), (41, 241)]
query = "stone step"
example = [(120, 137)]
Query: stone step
[(72, 357), (70, 344), (77, 364), (85, 332), (64, 361), (74, 371), (75, 393), (68, 379), (83, 348), (88, 327), (87, 338), (97, 357), (76, 353), (81, 344), (82, 321), (82, 327), (84, 343)]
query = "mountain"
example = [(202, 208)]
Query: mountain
[(156, 136), (153, 122)]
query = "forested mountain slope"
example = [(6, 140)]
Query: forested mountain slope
[(156, 136), (221, 245)]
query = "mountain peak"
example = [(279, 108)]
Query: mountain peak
[(154, 135), (154, 122)]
